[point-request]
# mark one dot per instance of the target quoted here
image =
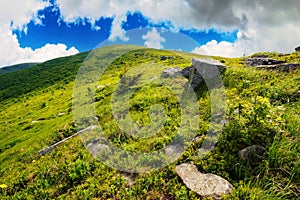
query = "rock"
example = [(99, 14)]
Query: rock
[(41, 119), (280, 67), (50, 148), (97, 146), (249, 153), (171, 72), (206, 185), (203, 69), (258, 61), (297, 49), (163, 58), (174, 151), (131, 178), (61, 114), (45, 151), (270, 64)]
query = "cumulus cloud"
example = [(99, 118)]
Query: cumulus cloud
[(271, 26), (153, 39), (116, 30), (244, 45), (263, 25), (17, 17)]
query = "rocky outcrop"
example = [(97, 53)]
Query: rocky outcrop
[(270, 64), (262, 61), (206, 185)]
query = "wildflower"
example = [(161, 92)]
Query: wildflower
[(3, 186), (33, 161)]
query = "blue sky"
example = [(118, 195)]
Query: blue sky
[(39, 30), (84, 37)]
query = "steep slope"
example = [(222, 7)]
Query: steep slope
[(36, 111)]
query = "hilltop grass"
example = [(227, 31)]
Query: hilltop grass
[(262, 108)]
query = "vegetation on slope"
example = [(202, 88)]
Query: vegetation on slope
[(13, 68), (36, 111)]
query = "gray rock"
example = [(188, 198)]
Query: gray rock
[(280, 67), (271, 64), (249, 153), (171, 72), (98, 146), (174, 151), (206, 185), (258, 61), (203, 69)]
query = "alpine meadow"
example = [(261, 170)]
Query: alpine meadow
[(262, 110)]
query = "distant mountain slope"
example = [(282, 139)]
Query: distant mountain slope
[(13, 68), (40, 76), (50, 72)]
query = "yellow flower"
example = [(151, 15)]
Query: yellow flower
[(3, 186), (33, 161)]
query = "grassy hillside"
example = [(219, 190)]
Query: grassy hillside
[(263, 107), (13, 68)]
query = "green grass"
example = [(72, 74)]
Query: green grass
[(36, 111), (13, 68)]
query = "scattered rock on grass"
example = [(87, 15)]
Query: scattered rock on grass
[(249, 153), (271, 64), (171, 72), (206, 185)]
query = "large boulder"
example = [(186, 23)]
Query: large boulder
[(206, 185), (202, 71)]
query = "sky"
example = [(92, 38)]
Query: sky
[(40, 30)]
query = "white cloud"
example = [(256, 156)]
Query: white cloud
[(269, 25), (17, 17), (245, 45), (116, 30), (153, 39)]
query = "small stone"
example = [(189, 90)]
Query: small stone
[(98, 146), (163, 58), (249, 153), (206, 185), (171, 72)]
